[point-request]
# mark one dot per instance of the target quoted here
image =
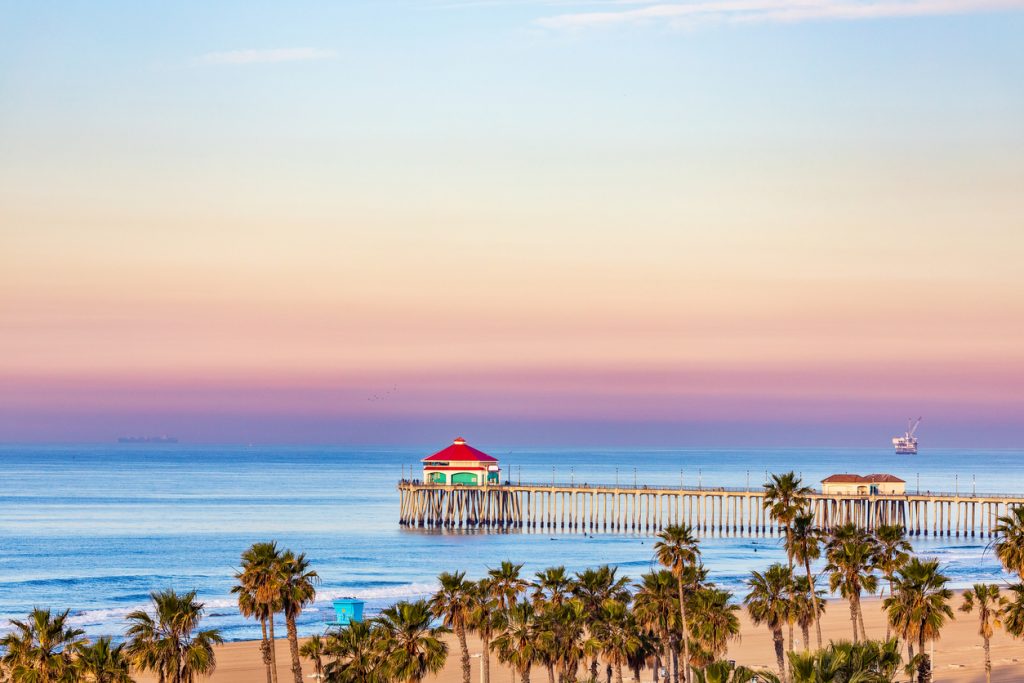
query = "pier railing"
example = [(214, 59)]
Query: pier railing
[(721, 510)]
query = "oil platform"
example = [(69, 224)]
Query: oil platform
[(907, 444)]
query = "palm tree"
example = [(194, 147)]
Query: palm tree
[(506, 584), (725, 672), (313, 649), (259, 596), (298, 588), (919, 607), (768, 603), (841, 662), (785, 497), (169, 642), (803, 544), (453, 602), (851, 557), (713, 621), (593, 587), (677, 549), (892, 550), (616, 634), (482, 618), (100, 662), (516, 642), (565, 635), (412, 645), (656, 604), (990, 605), (356, 654), (552, 584), (41, 647), (807, 607), (1009, 543)]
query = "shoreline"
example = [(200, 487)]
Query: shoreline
[(957, 655)]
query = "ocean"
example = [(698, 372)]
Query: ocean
[(95, 528)]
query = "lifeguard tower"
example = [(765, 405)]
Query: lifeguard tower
[(347, 611)]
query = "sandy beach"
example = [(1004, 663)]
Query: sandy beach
[(958, 655)]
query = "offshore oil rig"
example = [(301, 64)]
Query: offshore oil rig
[(907, 444)]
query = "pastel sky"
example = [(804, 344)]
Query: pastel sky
[(713, 222)]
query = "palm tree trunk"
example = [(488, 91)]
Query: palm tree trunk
[(780, 648), (265, 649), (485, 658), (853, 617), (814, 600), (924, 670), (293, 647), (524, 675), (460, 631), (686, 633), (860, 620), (593, 668), (675, 664), (888, 626), (618, 673), (910, 658), (551, 673), (805, 631), (792, 588), (988, 662), (273, 650)]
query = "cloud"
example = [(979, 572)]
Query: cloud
[(777, 11), (272, 56)]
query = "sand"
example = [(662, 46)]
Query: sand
[(958, 655)]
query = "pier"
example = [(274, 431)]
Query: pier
[(721, 511)]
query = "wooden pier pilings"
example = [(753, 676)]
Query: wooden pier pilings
[(716, 511)]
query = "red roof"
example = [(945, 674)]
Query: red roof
[(858, 479), (460, 451)]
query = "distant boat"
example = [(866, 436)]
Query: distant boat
[(147, 439), (907, 444)]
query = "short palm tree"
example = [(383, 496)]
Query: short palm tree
[(803, 544), (985, 598), (453, 603), (807, 607), (656, 604), (101, 662), (892, 550), (768, 603), (616, 635), (355, 654), (725, 672), (169, 641), (851, 559), (1009, 543), (593, 587), (678, 550), (516, 639), (413, 647), (259, 596), (713, 621), (298, 589), (785, 496), (41, 647), (313, 650), (482, 619), (918, 608)]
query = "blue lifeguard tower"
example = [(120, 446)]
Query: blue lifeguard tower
[(346, 611)]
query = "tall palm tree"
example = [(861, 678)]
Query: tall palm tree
[(768, 603), (713, 622), (678, 550), (101, 662), (169, 642), (919, 607), (1009, 543), (656, 604), (851, 560), (41, 648), (892, 550), (990, 605), (516, 641), (552, 584), (313, 650), (259, 596), (413, 647), (356, 655), (803, 544), (616, 635), (785, 496), (482, 617), (453, 602), (298, 589)]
